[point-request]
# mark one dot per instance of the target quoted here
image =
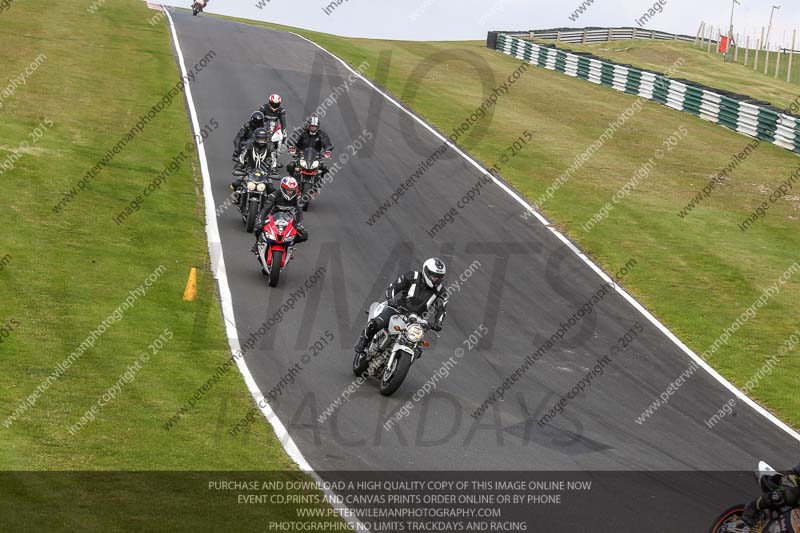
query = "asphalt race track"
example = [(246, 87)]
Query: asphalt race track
[(525, 284)]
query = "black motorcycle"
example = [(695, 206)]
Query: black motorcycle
[(784, 520), (252, 193)]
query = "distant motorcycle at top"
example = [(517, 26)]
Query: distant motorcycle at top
[(198, 6)]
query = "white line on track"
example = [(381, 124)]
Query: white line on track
[(639, 307), (218, 267)]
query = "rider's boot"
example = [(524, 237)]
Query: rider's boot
[(361, 345)]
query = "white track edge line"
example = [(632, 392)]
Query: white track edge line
[(631, 300), (226, 301)]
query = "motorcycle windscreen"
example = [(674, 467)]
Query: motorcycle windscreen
[(396, 320)]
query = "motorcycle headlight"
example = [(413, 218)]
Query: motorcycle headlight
[(303, 163), (270, 235), (315, 164), (251, 186), (414, 332), (261, 187)]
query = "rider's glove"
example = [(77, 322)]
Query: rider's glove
[(436, 327), (328, 154), (393, 302)]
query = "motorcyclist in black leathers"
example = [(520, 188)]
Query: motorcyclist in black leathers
[(273, 110), (286, 198), (780, 490), (246, 133), (255, 156), (312, 137), (419, 292)]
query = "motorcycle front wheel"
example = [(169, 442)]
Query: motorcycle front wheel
[(306, 193), (275, 271), (360, 364), (394, 376), (252, 213), (731, 516)]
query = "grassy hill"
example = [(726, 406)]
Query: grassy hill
[(697, 273), (703, 67)]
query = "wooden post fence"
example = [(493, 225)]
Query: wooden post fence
[(747, 51)]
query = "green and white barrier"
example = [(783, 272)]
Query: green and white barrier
[(737, 112)]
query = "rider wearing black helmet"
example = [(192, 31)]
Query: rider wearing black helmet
[(255, 156), (256, 152), (780, 490), (419, 292), (312, 137), (246, 132)]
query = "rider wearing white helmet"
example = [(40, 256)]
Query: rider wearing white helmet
[(779, 490), (419, 292)]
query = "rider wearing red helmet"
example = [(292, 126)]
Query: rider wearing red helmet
[(273, 110), (286, 198)]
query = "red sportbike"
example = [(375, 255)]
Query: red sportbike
[(276, 244)]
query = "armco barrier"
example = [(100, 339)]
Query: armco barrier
[(735, 111), (595, 35)]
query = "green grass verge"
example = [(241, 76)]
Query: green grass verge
[(701, 66), (68, 271), (696, 274), (62, 274)]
